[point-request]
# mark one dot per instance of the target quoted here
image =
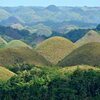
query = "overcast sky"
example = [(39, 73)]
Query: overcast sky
[(50, 2)]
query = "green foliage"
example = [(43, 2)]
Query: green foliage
[(43, 83), (20, 67)]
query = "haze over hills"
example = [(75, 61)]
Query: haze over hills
[(4, 14), (55, 48), (88, 54), (52, 16), (91, 36)]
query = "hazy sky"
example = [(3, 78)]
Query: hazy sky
[(50, 2)]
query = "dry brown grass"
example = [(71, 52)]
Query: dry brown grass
[(56, 48), (91, 36), (71, 69), (5, 74)]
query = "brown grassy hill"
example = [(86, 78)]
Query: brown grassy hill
[(56, 48), (11, 56), (5, 74), (88, 54), (91, 36)]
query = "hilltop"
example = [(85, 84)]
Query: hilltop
[(56, 48), (91, 36), (53, 8), (16, 44), (5, 74), (12, 56), (88, 54)]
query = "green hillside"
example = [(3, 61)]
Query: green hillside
[(5, 74), (87, 54), (11, 56), (91, 36), (2, 42), (17, 43), (56, 48)]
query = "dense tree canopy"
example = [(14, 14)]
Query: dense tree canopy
[(48, 84)]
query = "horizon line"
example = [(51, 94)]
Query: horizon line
[(50, 5)]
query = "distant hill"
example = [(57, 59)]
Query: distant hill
[(98, 27), (53, 8), (2, 42), (16, 44), (40, 29), (26, 14), (12, 56), (88, 54), (4, 14), (17, 26), (5, 74), (56, 48), (75, 35), (10, 20), (13, 33), (33, 15), (91, 36)]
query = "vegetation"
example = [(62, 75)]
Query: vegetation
[(75, 35), (13, 33), (87, 54), (56, 48), (49, 83), (56, 69)]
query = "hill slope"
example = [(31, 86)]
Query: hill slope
[(5, 74), (11, 56), (91, 36), (4, 14), (81, 67), (87, 54), (17, 43), (2, 42), (56, 48)]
